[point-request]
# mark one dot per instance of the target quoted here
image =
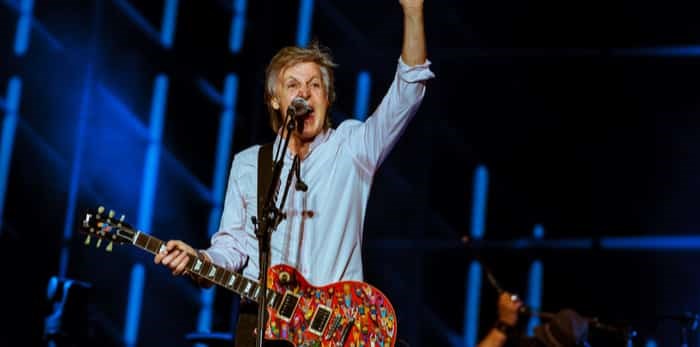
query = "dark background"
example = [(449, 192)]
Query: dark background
[(586, 123)]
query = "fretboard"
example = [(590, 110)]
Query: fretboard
[(204, 269)]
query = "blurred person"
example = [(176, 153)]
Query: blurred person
[(566, 328)]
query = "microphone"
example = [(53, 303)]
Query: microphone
[(298, 107)]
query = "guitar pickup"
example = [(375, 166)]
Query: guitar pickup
[(320, 319), (288, 305)]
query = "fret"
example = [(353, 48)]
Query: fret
[(141, 240), (196, 265), (153, 244), (204, 271), (256, 293), (240, 284), (246, 288), (231, 280), (225, 278), (211, 273), (220, 274)]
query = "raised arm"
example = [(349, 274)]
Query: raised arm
[(371, 141), (413, 51)]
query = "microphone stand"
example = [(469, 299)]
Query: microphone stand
[(268, 222)]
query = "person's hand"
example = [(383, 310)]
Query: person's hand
[(175, 256), (508, 308)]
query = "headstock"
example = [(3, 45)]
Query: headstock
[(103, 226)]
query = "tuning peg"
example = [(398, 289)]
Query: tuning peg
[(99, 242), (109, 246), (111, 213), (100, 209), (87, 240)]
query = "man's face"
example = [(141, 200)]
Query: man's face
[(303, 80)]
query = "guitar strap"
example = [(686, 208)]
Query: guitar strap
[(248, 311)]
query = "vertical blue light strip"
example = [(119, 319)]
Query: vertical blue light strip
[(237, 25), (534, 299), (133, 309), (223, 152), (473, 300), (167, 29), (481, 182), (471, 311), (24, 27), (148, 191), (306, 8), (534, 294), (9, 128), (364, 82)]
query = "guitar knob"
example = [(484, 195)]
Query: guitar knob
[(284, 277)]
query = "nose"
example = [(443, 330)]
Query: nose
[(303, 92)]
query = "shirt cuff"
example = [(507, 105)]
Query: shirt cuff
[(216, 257), (416, 73)]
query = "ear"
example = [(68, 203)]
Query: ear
[(275, 103)]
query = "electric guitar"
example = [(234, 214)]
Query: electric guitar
[(341, 314)]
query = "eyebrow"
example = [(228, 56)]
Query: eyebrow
[(309, 80)]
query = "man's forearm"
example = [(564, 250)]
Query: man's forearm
[(413, 51)]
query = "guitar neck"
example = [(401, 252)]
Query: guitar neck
[(206, 270)]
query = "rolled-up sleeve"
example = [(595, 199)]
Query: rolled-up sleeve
[(371, 141)]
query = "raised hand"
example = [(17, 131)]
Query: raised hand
[(508, 308)]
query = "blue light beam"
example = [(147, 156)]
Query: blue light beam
[(9, 129), (481, 182), (167, 30), (471, 311), (237, 25), (133, 308), (306, 8), (364, 82), (534, 293), (24, 26)]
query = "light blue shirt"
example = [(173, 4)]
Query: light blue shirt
[(322, 233)]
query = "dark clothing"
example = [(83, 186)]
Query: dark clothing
[(247, 323)]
